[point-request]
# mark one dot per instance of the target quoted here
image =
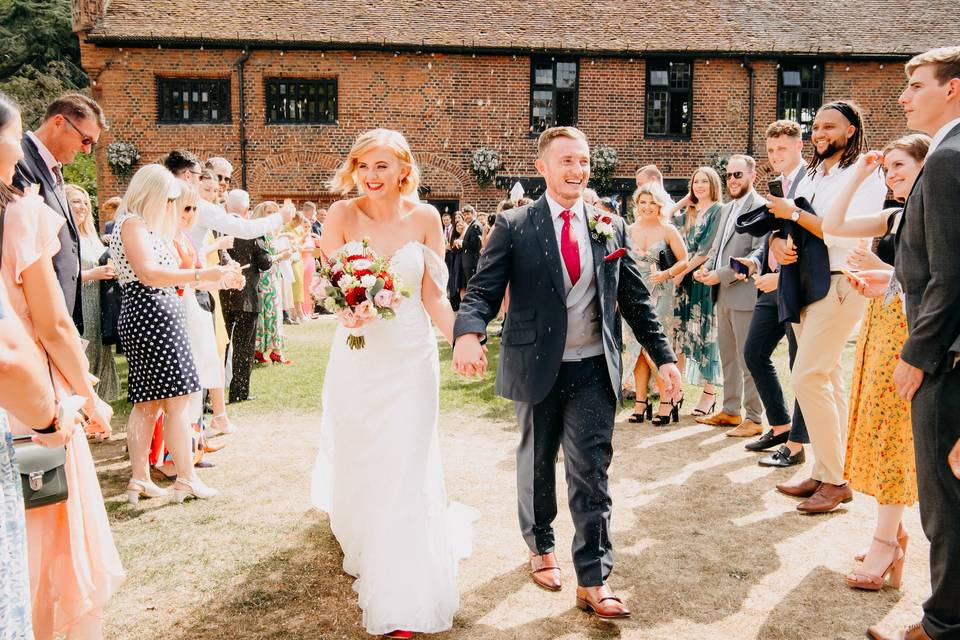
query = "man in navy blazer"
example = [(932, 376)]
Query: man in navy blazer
[(72, 124)]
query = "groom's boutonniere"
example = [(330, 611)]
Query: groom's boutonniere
[(601, 227)]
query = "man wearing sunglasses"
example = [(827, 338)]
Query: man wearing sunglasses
[(71, 125)]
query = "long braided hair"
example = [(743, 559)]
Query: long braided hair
[(856, 144), (8, 111)]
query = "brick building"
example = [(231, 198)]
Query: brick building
[(282, 87)]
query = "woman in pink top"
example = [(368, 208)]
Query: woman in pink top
[(310, 243), (74, 565)]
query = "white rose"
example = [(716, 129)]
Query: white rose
[(604, 228), (361, 264), (368, 281), (347, 282)]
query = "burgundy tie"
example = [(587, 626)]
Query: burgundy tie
[(569, 249)]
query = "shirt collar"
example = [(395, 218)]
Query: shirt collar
[(45, 154), (793, 177), (941, 134), (556, 208)]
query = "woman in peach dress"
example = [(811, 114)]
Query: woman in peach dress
[(74, 565)]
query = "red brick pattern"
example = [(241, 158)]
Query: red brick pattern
[(448, 106)]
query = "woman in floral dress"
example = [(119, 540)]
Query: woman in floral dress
[(270, 339)]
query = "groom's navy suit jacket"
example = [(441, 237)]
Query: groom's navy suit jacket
[(522, 251)]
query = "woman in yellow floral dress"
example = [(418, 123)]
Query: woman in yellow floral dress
[(879, 458)]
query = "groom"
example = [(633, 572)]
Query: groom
[(570, 280)]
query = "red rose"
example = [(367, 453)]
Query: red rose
[(359, 273), (606, 219), (356, 295), (335, 277), (356, 257)]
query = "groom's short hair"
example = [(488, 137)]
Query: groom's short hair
[(553, 133)]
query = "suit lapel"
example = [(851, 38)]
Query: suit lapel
[(907, 206), (49, 186), (546, 236)]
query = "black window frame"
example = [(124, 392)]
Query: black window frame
[(535, 62), (167, 85), (303, 85), (661, 64), (817, 66)]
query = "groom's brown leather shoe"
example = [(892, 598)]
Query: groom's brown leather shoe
[(720, 419), (913, 632), (601, 601), (545, 571), (803, 490), (827, 498)]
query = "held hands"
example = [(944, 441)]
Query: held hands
[(783, 250), (671, 378), (872, 283), (907, 379), (469, 356)]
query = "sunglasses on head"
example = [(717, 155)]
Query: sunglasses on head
[(85, 140), (735, 174)]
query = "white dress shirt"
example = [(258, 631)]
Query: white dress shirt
[(822, 189), (212, 216), (579, 223), (53, 165), (941, 134)]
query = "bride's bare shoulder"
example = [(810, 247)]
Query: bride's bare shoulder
[(425, 213), (342, 210)]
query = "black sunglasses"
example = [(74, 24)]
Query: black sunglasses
[(736, 174), (85, 140), (221, 178), (189, 208)]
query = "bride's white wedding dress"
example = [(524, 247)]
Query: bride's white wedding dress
[(378, 474)]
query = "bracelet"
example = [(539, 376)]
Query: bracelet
[(196, 276), (54, 426)]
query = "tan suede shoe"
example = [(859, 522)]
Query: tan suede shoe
[(720, 419), (746, 429)]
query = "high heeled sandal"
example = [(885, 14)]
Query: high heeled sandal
[(637, 418), (708, 412), (661, 420), (259, 358), (137, 488), (862, 580), (275, 357), (902, 539), (221, 431), (195, 489)]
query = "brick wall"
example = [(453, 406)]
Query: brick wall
[(447, 106)]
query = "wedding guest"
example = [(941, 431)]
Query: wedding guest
[(591, 197), (270, 341), (308, 247), (319, 221), (106, 215), (213, 252), (241, 309), (879, 457), (222, 168), (735, 301), (74, 565), (695, 335), (653, 238), (788, 432), (92, 273), (647, 174), (927, 264), (826, 324), (153, 333), (457, 284), (71, 125), (471, 242)]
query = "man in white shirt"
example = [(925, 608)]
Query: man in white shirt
[(826, 325)]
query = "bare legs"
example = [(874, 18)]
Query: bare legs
[(177, 435), (879, 556)]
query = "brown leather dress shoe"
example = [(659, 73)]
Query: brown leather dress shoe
[(720, 419), (545, 571), (913, 632), (827, 498), (803, 490), (601, 601), (746, 429)]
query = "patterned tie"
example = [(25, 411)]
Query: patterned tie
[(569, 249)]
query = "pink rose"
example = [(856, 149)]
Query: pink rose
[(349, 319), (384, 298), (366, 312), (397, 299)]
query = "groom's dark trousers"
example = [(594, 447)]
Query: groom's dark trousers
[(569, 403), (578, 414)]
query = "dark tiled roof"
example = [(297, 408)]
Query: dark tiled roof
[(866, 27)]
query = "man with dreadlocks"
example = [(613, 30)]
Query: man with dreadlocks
[(825, 325)]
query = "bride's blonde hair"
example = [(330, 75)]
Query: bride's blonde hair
[(345, 179)]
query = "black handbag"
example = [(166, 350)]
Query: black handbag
[(666, 259), (42, 472), (111, 301)]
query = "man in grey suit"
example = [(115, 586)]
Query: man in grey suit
[(72, 124), (928, 268), (735, 300)]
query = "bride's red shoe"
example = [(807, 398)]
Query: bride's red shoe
[(399, 634)]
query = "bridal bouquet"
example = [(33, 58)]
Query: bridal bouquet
[(360, 287)]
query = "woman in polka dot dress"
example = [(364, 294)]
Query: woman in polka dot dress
[(162, 373)]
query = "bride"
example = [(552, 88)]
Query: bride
[(378, 474)]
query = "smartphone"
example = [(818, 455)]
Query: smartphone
[(775, 187), (739, 267), (850, 274)]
